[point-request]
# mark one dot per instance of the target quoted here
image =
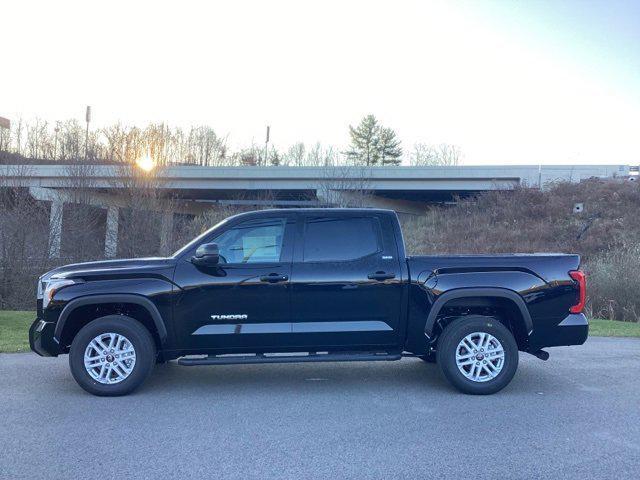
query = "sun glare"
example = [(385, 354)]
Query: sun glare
[(146, 163)]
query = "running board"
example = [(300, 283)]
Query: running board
[(287, 358)]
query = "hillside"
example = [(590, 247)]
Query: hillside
[(606, 234)]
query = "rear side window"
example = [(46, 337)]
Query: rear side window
[(339, 239)]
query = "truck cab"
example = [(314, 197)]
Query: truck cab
[(296, 280)]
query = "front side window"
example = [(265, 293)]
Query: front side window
[(339, 239), (253, 241)]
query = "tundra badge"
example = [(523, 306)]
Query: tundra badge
[(236, 316)]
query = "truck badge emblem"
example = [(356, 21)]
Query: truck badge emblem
[(236, 316)]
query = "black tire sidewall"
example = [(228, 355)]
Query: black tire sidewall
[(448, 344), (137, 334)]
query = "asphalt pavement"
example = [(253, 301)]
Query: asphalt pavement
[(574, 416)]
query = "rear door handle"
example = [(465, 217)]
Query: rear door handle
[(274, 278), (381, 276)]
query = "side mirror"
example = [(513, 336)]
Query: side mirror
[(207, 255)]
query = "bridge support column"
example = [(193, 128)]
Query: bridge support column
[(111, 233), (55, 228)]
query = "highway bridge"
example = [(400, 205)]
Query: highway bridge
[(194, 189), (293, 185)]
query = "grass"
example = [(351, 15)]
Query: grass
[(613, 328), (14, 330)]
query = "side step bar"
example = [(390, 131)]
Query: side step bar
[(285, 358)]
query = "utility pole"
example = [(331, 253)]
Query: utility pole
[(266, 146), (86, 136)]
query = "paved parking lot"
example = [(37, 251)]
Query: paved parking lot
[(575, 416)]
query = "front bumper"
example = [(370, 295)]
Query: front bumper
[(41, 338)]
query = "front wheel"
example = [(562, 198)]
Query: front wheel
[(112, 355), (478, 355)]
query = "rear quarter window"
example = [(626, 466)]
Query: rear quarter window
[(340, 239)]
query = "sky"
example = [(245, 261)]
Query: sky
[(509, 82)]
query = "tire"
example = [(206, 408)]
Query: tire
[(495, 372), (130, 339)]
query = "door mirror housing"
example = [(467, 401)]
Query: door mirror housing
[(207, 255)]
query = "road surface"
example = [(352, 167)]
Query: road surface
[(575, 416)]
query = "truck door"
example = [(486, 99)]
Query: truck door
[(243, 302), (346, 282)]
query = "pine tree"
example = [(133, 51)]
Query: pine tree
[(373, 144), (364, 142), (389, 145)]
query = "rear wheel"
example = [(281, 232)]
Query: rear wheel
[(478, 355), (112, 355)]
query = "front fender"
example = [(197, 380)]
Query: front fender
[(111, 298)]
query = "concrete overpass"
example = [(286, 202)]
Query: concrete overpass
[(217, 183), (193, 189)]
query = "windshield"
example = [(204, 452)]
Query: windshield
[(198, 239)]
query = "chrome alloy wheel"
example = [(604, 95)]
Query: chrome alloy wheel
[(109, 358), (480, 357)]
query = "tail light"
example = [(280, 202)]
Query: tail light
[(581, 279)]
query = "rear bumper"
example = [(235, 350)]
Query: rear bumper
[(573, 330), (41, 338)]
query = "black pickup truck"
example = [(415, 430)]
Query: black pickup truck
[(308, 285)]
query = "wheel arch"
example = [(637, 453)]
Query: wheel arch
[(152, 317), (458, 296)]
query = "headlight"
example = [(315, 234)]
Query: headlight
[(52, 287)]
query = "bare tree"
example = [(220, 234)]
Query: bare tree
[(145, 213), (205, 147), (345, 186), (24, 228), (320, 156), (5, 140), (82, 237), (436, 155), (115, 144), (71, 141), (295, 156), (36, 137)]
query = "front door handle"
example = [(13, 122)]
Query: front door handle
[(274, 278), (379, 275)]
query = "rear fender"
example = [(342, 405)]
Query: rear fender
[(477, 292)]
